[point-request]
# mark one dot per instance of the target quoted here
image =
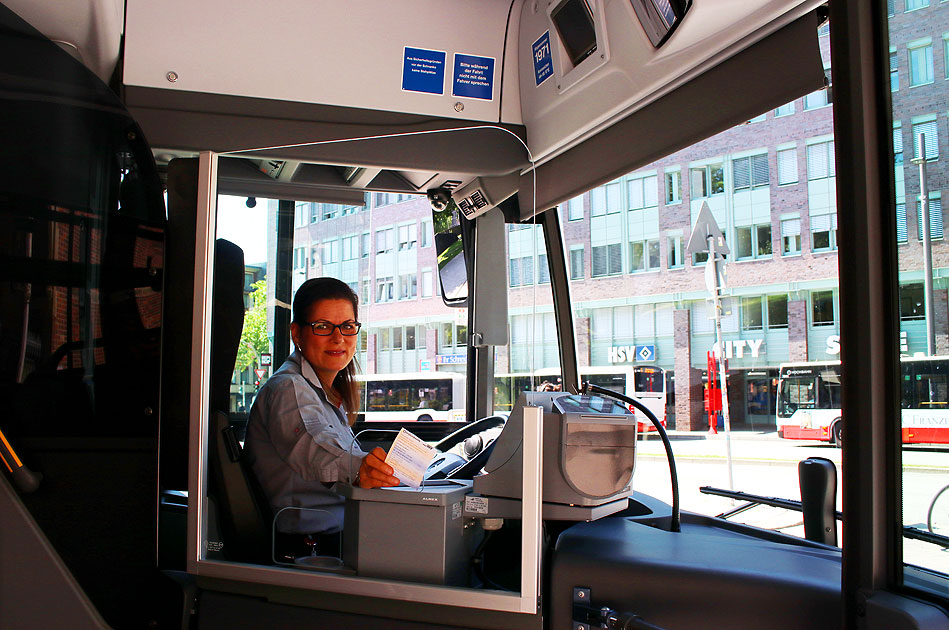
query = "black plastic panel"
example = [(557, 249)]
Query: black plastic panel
[(703, 577)]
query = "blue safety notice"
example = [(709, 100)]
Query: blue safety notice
[(543, 63), (423, 71), (473, 77)]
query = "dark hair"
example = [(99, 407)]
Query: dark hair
[(326, 288)]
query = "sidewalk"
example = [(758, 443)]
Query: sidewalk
[(766, 448)]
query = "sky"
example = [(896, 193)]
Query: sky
[(246, 227)]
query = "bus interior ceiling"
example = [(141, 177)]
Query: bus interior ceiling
[(319, 119)]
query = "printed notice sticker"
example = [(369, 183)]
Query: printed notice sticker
[(473, 77), (476, 505), (543, 64), (409, 457), (423, 71)]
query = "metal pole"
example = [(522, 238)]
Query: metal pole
[(717, 305), (920, 159)]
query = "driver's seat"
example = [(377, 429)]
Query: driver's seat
[(243, 511)]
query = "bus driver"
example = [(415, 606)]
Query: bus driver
[(299, 441)]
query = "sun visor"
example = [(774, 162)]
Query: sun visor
[(321, 184), (783, 66)]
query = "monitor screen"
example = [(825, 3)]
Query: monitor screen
[(574, 22)]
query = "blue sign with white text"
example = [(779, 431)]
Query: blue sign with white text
[(473, 77), (543, 63), (423, 71), (451, 359)]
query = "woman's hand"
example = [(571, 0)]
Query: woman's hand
[(374, 472)]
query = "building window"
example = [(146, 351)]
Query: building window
[(576, 263), (785, 110), (791, 237), (522, 271), (420, 337), (299, 258), (901, 232), (945, 53), (894, 72), (758, 118), (753, 241), (912, 5), (385, 339), (820, 98), (385, 289), (426, 283), (912, 302), (750, 172), (330, 252), (396, 337), (425, 237), (543, 269), (822, 308), (407, 236), (575, 209), (777, 311), (385, 241), (642, 193), (330, 211), (410, 337), (921, 62), (751, 318), (675, 252), (447, 337), (408, 286), (350, 247), (673, 187), (928, 129), (365, 285), (890, 8), (364, 249), (644, 256), (707, 180), (314, 255), (300, 214), (935, 217), (606, 199), (607, 260), (820, 160), (824, 232), (787, 166)]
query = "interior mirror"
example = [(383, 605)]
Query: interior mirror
[(450, 250)]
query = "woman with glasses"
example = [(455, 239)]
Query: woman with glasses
[(299, 441)]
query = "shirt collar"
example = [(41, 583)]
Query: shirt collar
[(307, 371)]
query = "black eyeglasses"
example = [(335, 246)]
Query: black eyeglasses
[(324, 328)]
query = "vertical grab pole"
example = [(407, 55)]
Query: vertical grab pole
[(531, 507)]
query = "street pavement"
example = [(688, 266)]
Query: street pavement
[(766, 465)]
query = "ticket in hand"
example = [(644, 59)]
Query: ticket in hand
[(409, 457)]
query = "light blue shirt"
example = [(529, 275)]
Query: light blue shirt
[(299, 446)]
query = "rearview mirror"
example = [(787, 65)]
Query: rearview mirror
[(450, 252)]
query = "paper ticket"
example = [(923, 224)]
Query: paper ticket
[(409, 457)]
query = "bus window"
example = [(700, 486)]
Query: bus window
[(931, 387)]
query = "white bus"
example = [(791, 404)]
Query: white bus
[(808, 403), (646, 384), (409, 397)]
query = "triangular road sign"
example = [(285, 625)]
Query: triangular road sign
[(260, 373), (705, 226)]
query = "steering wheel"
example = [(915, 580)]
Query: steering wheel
[(462, 454)]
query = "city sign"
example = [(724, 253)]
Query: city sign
[(266, 358), (425, 365), (736, 348)]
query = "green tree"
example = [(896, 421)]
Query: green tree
[(254, 339)]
